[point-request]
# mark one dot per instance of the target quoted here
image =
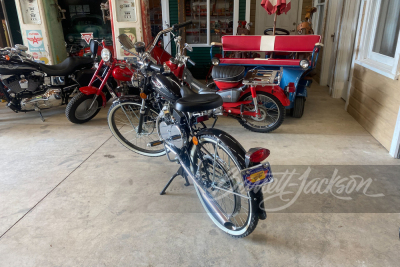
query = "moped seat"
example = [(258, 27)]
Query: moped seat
[(228, 73), (67, 67), (197, 103)]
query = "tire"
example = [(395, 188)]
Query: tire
[(118, 114), (298, 108), (248, 122), (232, 177), (75, 108)]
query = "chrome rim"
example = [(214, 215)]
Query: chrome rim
[(225, 174), (126, 121), (269, 109), (83, 112)]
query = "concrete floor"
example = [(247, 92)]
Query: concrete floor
[(71, 195)]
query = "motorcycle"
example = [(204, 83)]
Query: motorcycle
[(255, 108), (227, 179), (115, 74), (30, 86)]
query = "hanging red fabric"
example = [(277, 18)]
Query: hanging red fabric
[(278, 6)]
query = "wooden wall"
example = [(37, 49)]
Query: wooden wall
[(374, 102)]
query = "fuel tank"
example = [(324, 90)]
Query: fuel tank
[(13, 67), (122, 74), (167, 85)]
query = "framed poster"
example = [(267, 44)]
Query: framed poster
[(126, 10), (30, 11)]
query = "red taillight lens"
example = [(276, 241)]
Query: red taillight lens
[(257, 155)]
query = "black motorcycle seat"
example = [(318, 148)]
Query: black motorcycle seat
[(197, 103), (67, 67), (186, 91), (228, 73)]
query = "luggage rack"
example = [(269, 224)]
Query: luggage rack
[(263, 77)]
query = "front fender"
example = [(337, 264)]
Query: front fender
[(91, 90), (273, 90)]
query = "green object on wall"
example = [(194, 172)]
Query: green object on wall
[(242, 10), (55, 32), (13, 22)]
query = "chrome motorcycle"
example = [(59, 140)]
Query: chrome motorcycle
[(30, 86), (170, 121)]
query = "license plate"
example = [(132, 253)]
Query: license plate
[(257, 176)]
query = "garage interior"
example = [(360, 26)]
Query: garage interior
[(72, 195)]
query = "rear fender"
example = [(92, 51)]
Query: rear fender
[(274, 90), (91, 90)]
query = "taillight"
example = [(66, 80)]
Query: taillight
[(256, 155)]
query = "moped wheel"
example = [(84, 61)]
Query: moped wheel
[(123, 120), (80, 109), (218, 168), (272, 113)]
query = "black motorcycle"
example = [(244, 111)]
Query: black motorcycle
[(170, 121), (30, 86)]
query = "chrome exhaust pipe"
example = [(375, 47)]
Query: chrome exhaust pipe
[(218, 213)]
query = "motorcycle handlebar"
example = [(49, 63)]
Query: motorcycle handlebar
[(181, 25), (156, 67), (191, 62)]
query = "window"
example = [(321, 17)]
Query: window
[(212, 19), (379, 46)]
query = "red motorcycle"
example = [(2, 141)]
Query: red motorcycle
[(252, 98), (115, 74)]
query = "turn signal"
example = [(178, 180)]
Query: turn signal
[(195, 140), (143, 95), (257, 155), (7, 57)]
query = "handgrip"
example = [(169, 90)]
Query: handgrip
[(181, 25), (156, 67), (191, 62)]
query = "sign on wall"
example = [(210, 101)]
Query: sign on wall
[(131, 33), (126, 10), (30, 11), (35, 41), (87, 36)]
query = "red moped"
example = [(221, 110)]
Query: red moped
[(113, 78)]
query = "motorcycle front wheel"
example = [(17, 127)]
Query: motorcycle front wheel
[(80, 109), (217, 166), (123, 119)]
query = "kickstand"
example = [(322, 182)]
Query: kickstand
[(180, 172), (41, 116)]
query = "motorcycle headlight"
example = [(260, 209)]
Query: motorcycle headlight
[(304, 64), (215, 61), (105, 55)]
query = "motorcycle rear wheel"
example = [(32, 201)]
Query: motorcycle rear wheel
[(223, 167), (272, 113), (123, 121)]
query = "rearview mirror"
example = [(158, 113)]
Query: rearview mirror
[(188, 47), (126, 41)]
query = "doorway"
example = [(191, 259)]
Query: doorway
[(11, 22), (287, 21)]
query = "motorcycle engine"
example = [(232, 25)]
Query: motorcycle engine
[(33, 92), (19, 84), (169, 130)]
